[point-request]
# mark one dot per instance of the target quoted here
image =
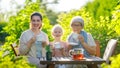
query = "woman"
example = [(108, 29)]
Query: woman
[(79, 36), (33, 41)]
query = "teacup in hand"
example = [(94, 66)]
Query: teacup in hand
[(39, 38), (57, 45), (75, 36)]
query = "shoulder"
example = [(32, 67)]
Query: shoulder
[(91, 41), (26, 32), (84, 32), (43, 33), (89, 35)]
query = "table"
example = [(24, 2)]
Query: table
[(68, 60)]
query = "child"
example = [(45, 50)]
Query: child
[(59, 47), (62, 50)]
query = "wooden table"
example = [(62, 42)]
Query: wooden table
[(69, 60)]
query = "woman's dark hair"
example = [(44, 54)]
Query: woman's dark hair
[(36, 14)]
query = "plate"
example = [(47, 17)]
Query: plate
[(73, 44)]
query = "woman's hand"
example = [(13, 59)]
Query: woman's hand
[(81, 38), (44, 43), (69, 47), (31, 41)]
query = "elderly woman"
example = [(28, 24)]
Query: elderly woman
[(79, 36), (33, 41)]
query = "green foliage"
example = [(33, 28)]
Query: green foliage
[(13, 62), (114, 62), (107, 26), (99, 8), (116, 19), (116, 26), (52, 16)]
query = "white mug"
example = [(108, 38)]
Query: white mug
[(39, 38), (57, 45), (75, 36)]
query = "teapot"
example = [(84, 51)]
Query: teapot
[(77, 53)]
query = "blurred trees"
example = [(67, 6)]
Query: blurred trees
[(49, 12), (101, 20), (99, 8), (109, 11)]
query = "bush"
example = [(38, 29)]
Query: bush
[(10, 61), (115, 62)]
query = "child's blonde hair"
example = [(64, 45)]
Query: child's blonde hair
[(57, 26)]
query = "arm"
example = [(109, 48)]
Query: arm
[(90, 46), (97, 48), (90, 49), (64, 50), (52, 48), (69, 39), (25, 45), (46, 41)]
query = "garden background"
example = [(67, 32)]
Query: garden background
[(101, 18)]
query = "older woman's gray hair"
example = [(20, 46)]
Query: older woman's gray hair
[(77, 19)]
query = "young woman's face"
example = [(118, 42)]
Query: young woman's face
[(36, 22), (57, 32), (76, 27)]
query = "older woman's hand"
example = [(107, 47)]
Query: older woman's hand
[(81, 38)]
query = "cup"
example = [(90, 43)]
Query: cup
[(77, 53), (57, 45), (39, 38), (75, 36)]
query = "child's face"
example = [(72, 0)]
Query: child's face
[(57, 32)]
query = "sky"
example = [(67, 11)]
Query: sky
[(64, 5), (67, 5)]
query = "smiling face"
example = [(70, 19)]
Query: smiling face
[(76, 27), (57, 32), (36, 22)]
